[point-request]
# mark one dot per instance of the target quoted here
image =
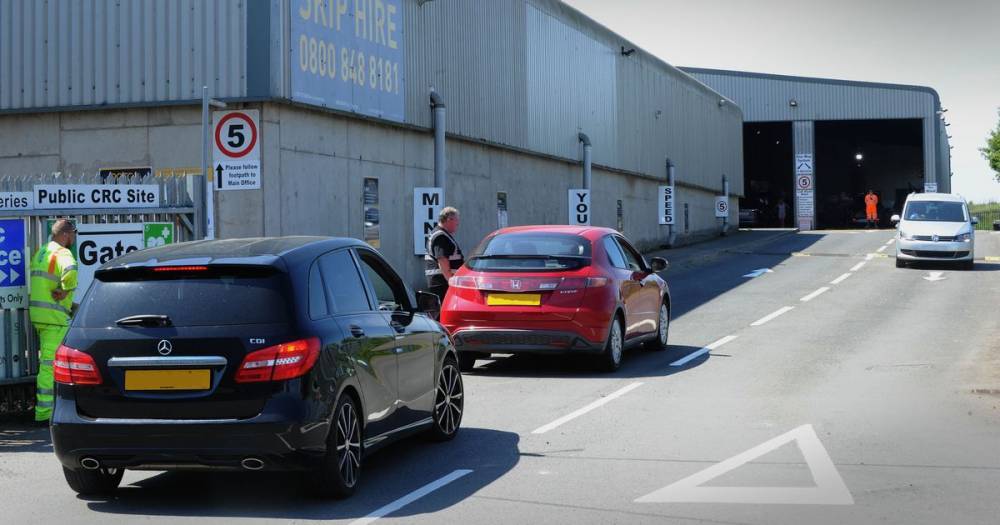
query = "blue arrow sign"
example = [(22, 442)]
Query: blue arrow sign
[(13, 258)]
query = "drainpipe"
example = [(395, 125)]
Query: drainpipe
[(671, 235), (586, 159), (440, 160), (725, 191)]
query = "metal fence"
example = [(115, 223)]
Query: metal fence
[(988, 215), (180, 191)]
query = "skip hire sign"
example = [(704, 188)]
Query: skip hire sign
[(348, 55)]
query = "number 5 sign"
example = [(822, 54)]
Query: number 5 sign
[(236, 164)]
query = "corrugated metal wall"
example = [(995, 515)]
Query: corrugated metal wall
[(766, 98), (56, 53)]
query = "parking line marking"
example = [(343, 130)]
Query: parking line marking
[(842, 278), (889, 242), (596, 404), (815, 294), (704, 350), (882, 248), (410, 498), (770, 317), (992, 259), (858, 266)]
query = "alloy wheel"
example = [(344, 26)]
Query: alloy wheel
[(449, 402), (348, 444), (664, 324), (616, 342)]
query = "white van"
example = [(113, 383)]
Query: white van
[(935, 227)]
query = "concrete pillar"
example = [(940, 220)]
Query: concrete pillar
[(803, 137)]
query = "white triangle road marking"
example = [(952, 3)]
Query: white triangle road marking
[(829, 490), (931, 276)]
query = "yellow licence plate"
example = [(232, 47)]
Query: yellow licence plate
[(168, 379), (514, 299)]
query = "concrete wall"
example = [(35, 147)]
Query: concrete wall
[(313, 165)]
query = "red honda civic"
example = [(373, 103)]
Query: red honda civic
[(557, 290)]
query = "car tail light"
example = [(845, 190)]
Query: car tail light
[(73, 367), (279, 362), (525, 284)]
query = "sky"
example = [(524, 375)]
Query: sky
[(952, 46)]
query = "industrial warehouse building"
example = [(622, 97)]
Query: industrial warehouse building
[(821, 144), (342, 93)]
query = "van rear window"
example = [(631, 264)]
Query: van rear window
[(210, 297)]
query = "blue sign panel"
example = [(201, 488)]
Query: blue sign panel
[(13, 259), (348, 55)]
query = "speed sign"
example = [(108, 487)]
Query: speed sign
[(721, 207), (236, 164)]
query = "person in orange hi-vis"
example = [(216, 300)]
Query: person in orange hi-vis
[(871, 210)]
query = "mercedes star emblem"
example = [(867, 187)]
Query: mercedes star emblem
[(164, 347)]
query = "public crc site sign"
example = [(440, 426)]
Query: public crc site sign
[(349, 55), (95, 196)]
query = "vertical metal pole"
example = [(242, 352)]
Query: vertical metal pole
[(725, 192), (440, 158), (208, 231), (586, 160)]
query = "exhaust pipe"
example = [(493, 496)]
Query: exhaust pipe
[(252, 463), (90, 463)]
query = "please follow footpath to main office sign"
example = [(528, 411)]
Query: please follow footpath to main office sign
[(95, 196), (236, 147)]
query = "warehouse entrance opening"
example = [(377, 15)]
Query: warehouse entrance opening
[(767, 175), (854, 156)]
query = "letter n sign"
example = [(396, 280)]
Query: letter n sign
[(579, 207)]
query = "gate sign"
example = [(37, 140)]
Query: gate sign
[(579, 207), (236, 139), (665, 205), (804, 182), (100, 243), (427, 204), (721, 206), (13, 264), (803, 163)]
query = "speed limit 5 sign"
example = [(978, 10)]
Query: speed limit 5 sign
[(236, 139)]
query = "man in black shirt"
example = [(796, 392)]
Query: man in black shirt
[(443, 255)]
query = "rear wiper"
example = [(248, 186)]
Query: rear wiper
[(153, 320)]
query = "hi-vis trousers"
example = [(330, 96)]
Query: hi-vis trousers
[(50, 336)]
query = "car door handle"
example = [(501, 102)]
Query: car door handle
[(357, 331)]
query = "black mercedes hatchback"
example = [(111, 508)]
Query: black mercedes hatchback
[(293, 353)]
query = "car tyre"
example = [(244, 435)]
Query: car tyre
[(900, 263), (614, 348), (968, 265), (659, 343), (449, 402), (99, 482), (340, 470)]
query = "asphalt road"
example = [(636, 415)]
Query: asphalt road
[(873, 401)]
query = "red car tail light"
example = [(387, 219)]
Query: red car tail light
[(279, 362), (73, 367), (525, 284)]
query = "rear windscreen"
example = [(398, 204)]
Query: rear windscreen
[(205, 298), (531, 251)]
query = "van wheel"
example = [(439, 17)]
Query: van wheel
[(100, 482), (340, 470), (659, 343), (449, 402), (611, 359)]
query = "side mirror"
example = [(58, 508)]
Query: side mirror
[(975, 221), (428, 302), (658, 264), (894, 219)]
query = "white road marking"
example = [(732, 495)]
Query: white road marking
[(935, 276), (889, 242), (410, 498), (858, 266), (829, 487), (882, 248), (758, 273), (596, 404), (815, 294), (704, 350), (781, 311), (869, 257), (842, 278)]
